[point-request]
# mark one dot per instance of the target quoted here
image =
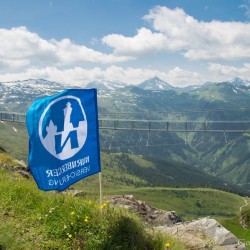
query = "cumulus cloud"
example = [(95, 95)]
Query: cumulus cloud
[(69, 53), (79, 76), (246, 6), (184, 78), (174, 30), (20, 48), (144, 42), (226, 71)]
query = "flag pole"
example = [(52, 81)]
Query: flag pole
[(100, 183)]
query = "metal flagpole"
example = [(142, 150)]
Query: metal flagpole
[(100, 183)]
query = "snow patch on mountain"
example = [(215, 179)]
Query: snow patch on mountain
[(106, 85), (238, 82), (155, 84), (19, 92), (235, 91)]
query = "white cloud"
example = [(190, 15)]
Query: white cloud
[(174, 30), (81, 76), (19, 43), (176, 76), (184, 78), (144, 42), (246, 6), (12, 65), (21, 48), (70, 76), (222, 72), (69, 53)]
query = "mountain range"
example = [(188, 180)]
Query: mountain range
[(156, 83), (225, 155)]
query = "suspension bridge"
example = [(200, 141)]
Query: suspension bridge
[(112, 122)]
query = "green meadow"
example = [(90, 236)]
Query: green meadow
[(34, 219)]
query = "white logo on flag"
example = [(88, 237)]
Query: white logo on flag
[(63, 130)]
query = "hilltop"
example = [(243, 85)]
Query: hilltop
[(32, 219)]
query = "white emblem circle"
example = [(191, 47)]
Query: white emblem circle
[(49, 140)]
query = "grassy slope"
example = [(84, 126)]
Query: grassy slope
[(25, 210), (13, 138), (33, 219)]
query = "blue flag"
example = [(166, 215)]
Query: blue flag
[(63, 138)]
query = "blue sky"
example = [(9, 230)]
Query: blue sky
[(183, 42)]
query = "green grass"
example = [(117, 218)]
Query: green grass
[(14, 139), (33, 219), (233, 225)]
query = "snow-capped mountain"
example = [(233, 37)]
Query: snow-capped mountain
[(17, 95), (189, 88), (106, 85), (238, 82), (14, 95), (27, 86), (150, 84), (155, 84)]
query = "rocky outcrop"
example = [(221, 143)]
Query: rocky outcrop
[(2, 150), (149, 214), (15, 166), (243, 219), (243, 222), (205, 233)]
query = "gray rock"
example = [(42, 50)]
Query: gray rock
[(150, 215), (74, 192), (24, 174), (203, 233), (23, 164)]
